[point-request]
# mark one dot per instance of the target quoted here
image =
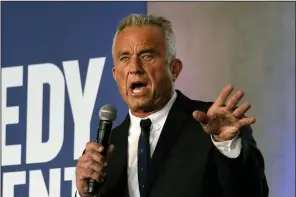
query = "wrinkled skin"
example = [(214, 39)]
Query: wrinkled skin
[(140, 57)]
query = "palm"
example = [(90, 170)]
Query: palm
[(222, 120)]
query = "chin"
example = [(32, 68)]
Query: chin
[(142, 105)]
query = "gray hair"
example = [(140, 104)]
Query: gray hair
[(164, 24)]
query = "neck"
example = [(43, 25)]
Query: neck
[(164, 99)]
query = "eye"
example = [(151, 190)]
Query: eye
[(124, 59), (147, 57)]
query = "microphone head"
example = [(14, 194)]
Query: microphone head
[(108, 113)]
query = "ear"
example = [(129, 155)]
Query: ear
[(176, 68), (114, 73)]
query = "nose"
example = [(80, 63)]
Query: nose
[(135, 66)]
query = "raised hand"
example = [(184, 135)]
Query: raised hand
[(224, 119)]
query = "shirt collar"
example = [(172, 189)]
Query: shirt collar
[(157, 118)]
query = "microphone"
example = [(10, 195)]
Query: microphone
[(107, 114)]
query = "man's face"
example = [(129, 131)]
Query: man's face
[(144, 79)]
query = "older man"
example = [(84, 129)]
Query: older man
[(169, 145)]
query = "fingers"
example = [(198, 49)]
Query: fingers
[(94, 146), (91, 155), (222, 97), (247, 121), (84, 172), (210, 124), (224, 119), (240, 111), (201, 117), (91, 165), (233, 101)]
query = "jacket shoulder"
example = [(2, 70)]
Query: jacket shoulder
[(201, 105), (120, 131), (190, 105)]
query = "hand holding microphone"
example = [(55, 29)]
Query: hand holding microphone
[(90, 169)]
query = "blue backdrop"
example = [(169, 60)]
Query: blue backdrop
[(56, 74)]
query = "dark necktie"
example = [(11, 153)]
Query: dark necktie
[(143, 154)]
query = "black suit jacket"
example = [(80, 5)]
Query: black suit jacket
[(186, 163)]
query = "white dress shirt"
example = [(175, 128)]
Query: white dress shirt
[(230, 148)]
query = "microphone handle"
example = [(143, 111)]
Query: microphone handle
[(103, 136)]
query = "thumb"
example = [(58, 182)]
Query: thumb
[(201, 117)]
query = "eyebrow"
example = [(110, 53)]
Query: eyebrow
[(148, 50), (120, 53)]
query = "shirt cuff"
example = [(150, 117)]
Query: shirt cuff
[(229, 148)]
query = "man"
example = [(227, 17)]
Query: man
[(170, 145)]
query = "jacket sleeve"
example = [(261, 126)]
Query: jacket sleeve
[(243, 176)]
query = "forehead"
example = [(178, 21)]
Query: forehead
[(139, 37)]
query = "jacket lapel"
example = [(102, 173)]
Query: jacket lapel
[(118, 161), (177, 117), (171, 130), (179, 114)]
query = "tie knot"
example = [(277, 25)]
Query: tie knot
[(145, 124)]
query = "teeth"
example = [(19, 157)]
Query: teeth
[(138, 90)]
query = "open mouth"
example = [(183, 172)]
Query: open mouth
[(137, 87)]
